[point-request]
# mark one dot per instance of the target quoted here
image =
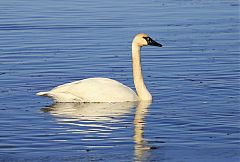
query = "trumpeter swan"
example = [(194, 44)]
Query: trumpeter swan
[(104, 89)]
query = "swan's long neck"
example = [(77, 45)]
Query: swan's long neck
[(141, 88)]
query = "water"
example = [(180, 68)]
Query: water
[(194, 80)]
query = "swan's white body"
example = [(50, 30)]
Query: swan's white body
[(104, 89), (92, 90)]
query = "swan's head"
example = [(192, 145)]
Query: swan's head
[(144, 40)]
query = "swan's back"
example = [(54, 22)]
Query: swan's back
[(92, 90)]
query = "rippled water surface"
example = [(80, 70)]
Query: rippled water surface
[(194, 80)]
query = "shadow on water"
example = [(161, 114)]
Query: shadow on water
[(105, 112)]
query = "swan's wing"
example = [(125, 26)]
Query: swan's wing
[(61, 97), (61, 94)]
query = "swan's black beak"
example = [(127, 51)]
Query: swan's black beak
[(151, 42)]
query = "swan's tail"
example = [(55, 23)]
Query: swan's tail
[(43, 94), (48, 94)]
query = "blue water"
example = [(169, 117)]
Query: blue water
[(194, 79)]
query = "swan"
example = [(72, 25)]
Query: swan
[(105, 89)]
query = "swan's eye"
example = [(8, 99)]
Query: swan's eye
[(147, 39)]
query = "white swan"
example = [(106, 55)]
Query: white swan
[(104, 89)]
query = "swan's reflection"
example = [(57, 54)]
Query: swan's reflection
[(101, 112), (140, 146), (90, 111)]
